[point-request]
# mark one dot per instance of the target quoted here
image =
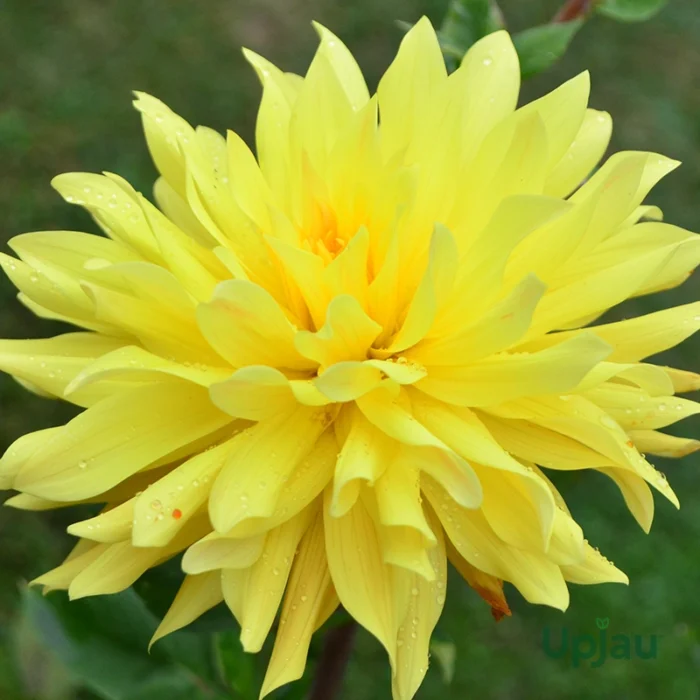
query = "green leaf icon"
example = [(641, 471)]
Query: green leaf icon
[(602, 622)]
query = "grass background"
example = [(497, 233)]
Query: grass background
[(66, 71)]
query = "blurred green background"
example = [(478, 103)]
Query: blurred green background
[(66, 72)]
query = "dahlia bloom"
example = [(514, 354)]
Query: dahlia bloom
[(323, 371)]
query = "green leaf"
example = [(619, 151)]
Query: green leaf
[(103, 642), (631, 10), (466, 22), (540, 47), (237, 669)]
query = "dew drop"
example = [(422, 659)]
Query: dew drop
[(156, 504), (607, 421), (304, 598), (488, 61), (276, 571), (82, 464), (414, 591)]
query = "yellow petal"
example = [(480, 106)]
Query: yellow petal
[(636, 493), (118, 437), (247, 182), (481, 274), (562, 112), (176, 208), (20, 451), (509, 376), (246, 326), (418, 618), (566, 545), (623, 182), (537, 578), (347, 272), (595, 569), (597, 292), (113, 525), (431, 455), (344, 65), (364, 456), (256, 393), (398, 498), (683, 381), (346, 335), (348, 381), (272, 127), (512, 506), (62, 576), (488, 587), (432, 291), (197, 266), (303, 602), (170, 502), (638, 338), (407, 86), (23, 501), (509, 163), (582, 155), (112, 202), (489, 81), (261, 460), (64, 301), (164, 130), (196, 595), (267, 579), (149, 302), (545, 447), (132, 363), (119, 565), (663, 445), (360, 577), (635, 409), (216, 551), (497, 330), (582, 420), (306, 271), (307, 481)]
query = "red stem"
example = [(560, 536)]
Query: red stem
[(573, 9)]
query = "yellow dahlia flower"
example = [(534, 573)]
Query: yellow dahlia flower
[(324, 371)]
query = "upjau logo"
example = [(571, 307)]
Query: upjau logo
[(599, 646)]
